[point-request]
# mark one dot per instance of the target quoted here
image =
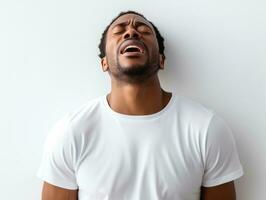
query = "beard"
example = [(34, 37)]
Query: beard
[(137, 73)]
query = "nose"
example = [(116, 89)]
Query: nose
[(131, 33)]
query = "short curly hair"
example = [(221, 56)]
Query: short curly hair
[(159, 37)]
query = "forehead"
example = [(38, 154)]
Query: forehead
[(130, 17)]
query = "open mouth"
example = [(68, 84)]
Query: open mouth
[(132, 48)]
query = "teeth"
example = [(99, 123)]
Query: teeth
[(132, 46)]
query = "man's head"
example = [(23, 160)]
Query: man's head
[(131, 48)]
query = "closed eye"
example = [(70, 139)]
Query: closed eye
[(118, 29), (144, 29), (141, 28)]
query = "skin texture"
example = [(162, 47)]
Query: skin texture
[(221, 192), (51, 192), (135, 89)]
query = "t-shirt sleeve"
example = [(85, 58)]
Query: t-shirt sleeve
[(57, 165), (222, 162)]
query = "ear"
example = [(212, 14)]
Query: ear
[(162, 60), (104, 63)]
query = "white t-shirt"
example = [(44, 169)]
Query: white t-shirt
[(162, 156)]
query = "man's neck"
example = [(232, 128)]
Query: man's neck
[(138, 99)]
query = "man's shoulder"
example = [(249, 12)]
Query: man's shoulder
[(73, 123), (88, 110), (190, 109), (187, 104), (82, 114)]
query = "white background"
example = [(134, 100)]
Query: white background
[(48, 65)]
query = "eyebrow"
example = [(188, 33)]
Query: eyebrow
[(137, 23)]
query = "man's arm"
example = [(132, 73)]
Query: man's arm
[(225, 191), (51, 192)]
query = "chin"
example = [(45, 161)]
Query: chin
[(133, 69), (133, 65)]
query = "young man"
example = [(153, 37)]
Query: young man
[(139, 142)]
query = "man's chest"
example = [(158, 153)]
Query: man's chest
[(147, 164)]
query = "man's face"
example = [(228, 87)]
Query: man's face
[(132, 51)]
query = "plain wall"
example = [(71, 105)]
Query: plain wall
[(48, 66)]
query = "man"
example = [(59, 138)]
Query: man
[(139, 142)]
